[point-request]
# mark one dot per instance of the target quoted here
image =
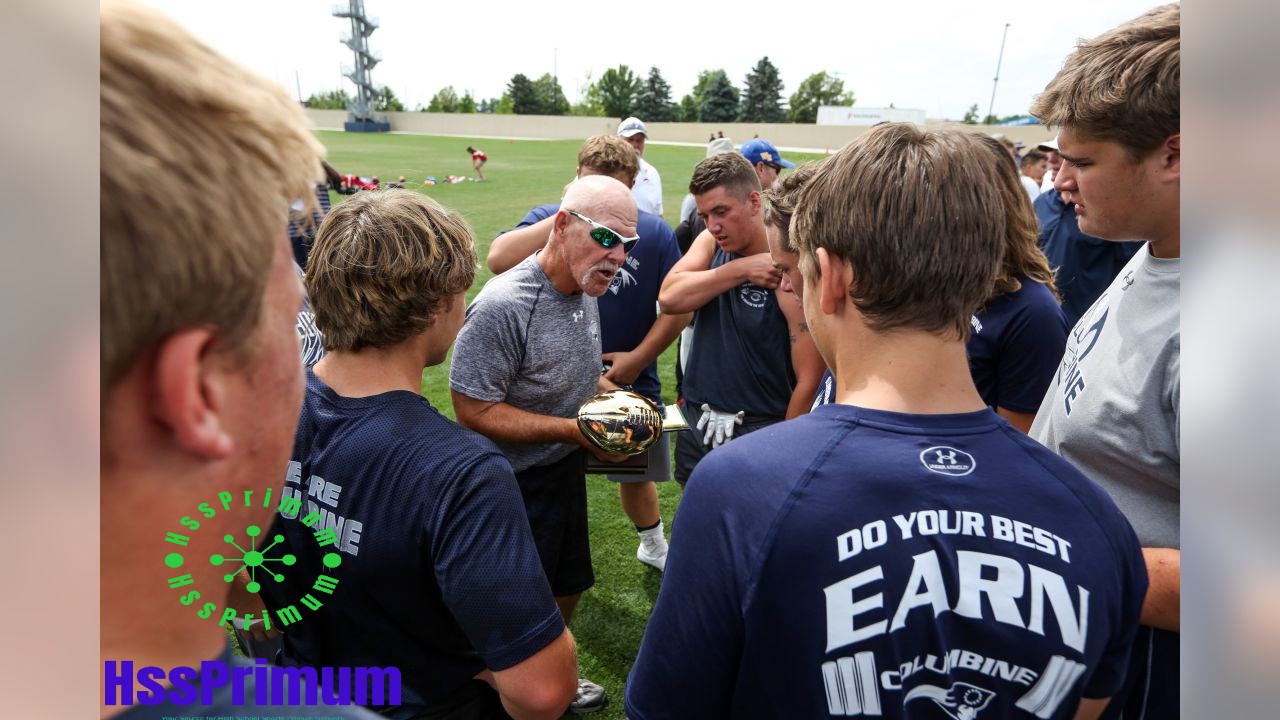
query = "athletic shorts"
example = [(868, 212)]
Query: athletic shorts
[(689, 447), (659, 464), (555, 499)]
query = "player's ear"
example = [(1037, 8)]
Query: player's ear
[(560, 223), (1171, 155), (190, 395), (835, 276)]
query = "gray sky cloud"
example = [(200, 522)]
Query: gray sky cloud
[(936, 55)]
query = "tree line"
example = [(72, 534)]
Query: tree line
[(620, 92)]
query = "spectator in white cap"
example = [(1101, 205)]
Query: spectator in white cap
[(1050, 147), (648, 188), (766, 159)]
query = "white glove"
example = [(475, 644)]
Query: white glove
[(718, 426)]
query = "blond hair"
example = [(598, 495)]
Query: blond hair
[(783, 198), (1122, 85), (918, 217), (610, 155), (201, 160), (382, 264)]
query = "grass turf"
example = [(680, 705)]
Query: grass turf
[(611, 618)]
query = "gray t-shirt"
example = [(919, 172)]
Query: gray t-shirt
[(1112, 409), (527, 344)]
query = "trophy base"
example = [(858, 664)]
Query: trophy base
[(634, 465)]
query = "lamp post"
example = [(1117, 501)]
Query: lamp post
[(994, 82)]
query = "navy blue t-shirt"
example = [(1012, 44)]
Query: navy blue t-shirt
[(1015, 345), (302, 235), (439, 576), (862, 562), (629, 308), (740, 358), (1086, 265), (826, 390)]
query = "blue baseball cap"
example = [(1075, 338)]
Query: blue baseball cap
[(761, 151)]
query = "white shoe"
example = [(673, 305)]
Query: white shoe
[(653, 551)]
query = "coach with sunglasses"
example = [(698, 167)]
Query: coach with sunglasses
[(526, 359)]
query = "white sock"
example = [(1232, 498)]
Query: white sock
[(654, 534)]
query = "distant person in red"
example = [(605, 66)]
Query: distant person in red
[(478, 159)]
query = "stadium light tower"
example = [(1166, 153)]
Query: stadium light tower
[(362, 26)]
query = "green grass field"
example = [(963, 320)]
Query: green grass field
[(611, 618)]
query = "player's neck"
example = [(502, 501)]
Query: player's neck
[(555, 265), (1166, 242), (759, 240), (142, 618), (907, 372), (373, 371)]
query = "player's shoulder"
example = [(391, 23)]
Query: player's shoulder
[(431, 446), (540, 212), (1049, 467), (773, 452), (1032, 302), (524, 280), (1035, 294), (653, 228)]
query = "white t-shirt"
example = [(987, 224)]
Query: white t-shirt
[(1030, 186), (648, 189), (1046, 183)]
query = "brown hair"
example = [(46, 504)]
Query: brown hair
[(610, 155), (183, 243), (1122, 85), (382, 264), (728, 170), (783, 197), (916, 215), (1032, 157), (1022, 254)]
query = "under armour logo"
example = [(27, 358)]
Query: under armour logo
[(946, 460), (1128, 280), (577, 315)]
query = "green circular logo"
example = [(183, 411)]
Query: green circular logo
[(256, 557)]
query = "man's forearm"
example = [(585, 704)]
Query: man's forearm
[(665, 330), (509, 248), (508, 423), (685, 292), (802, 397), (1162, 606)]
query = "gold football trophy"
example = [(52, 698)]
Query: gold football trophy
[(620, 422)]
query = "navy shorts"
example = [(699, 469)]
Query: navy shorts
[(1151, 688), (689, 447), (555, 499)]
